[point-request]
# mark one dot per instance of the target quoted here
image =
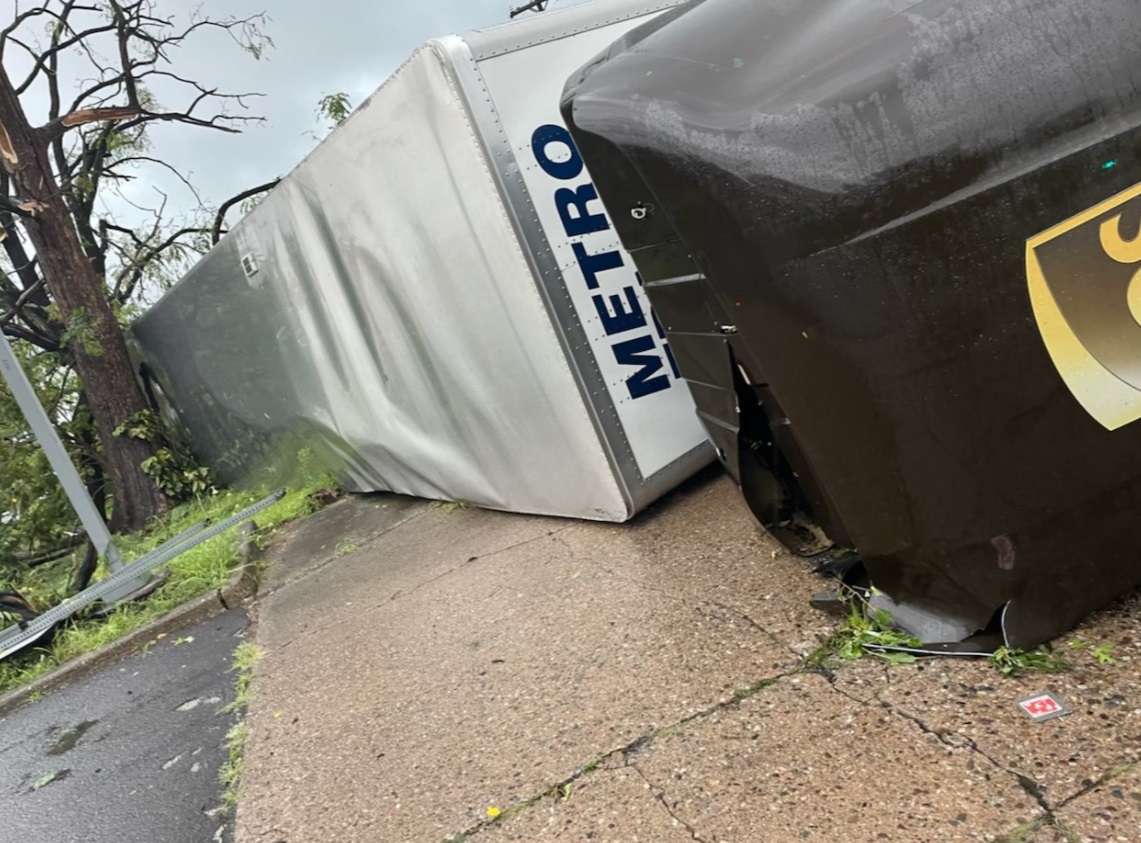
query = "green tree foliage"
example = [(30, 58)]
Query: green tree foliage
[(84, 86), (334, 108), (35, 516)]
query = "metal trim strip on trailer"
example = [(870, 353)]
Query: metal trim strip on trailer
[(555, 24), (459, 60), (637, 490)]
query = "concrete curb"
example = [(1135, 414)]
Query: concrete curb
[(242, 585)]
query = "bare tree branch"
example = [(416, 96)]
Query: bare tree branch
[(24, 17), (21, 207), (55, 100), (145, 257), (135, 159), (23, 299), (20, 333), (60, 44), (216, 231)]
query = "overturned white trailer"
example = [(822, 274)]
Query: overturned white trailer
[(436, 299)]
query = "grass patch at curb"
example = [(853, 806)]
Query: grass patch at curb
[(197, 571), (246, 658)]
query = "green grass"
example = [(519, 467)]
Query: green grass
[(201, 569), (246, 657), (230, 776)]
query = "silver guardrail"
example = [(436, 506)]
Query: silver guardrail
[(18, 636)]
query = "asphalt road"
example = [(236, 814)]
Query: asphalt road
[(130, 754)]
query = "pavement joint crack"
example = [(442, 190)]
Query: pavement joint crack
[(1104, 778), (749, 619), (660, 796), (478, 558), (1031, 786), (626, 755), (1023, 832)]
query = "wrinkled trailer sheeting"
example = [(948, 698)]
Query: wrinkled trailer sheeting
[(435, 305), (895, 248)]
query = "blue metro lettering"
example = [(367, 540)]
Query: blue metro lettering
[(583, 221), (621, 312), (641, 352), (621, 320), (563, 170), (593, 265)]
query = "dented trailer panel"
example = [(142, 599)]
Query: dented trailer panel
[(894, 246), (408, 301)]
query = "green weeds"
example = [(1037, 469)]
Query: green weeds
[(1014, 662), (246, 658), (871, 632), (866, 632)]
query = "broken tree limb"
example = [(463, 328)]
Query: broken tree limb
[(50, 131)]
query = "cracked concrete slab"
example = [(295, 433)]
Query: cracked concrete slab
[(968, 701), (615, 806), (1110, 813), (468, 659), (351, 522), (1044, 829), (441, 662), (798, 761)]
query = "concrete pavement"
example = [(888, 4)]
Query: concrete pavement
[(428, 668)]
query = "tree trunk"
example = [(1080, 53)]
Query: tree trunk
[(86, 569), (97, 342)]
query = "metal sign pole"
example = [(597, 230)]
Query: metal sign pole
[(61, 464), (125, 580)]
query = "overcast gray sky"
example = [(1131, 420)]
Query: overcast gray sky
[(320, 47)]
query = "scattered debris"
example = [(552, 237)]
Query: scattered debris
[(190, 705), (49, 778), (1044, 706)]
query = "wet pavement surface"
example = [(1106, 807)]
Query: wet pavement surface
[(130, 754), (462, 675)]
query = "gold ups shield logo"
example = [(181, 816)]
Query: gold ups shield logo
[(1085, 288)]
